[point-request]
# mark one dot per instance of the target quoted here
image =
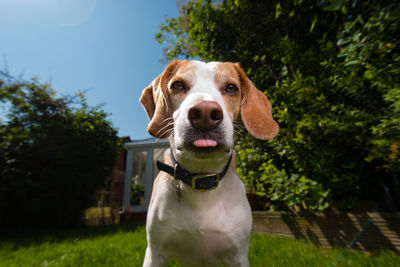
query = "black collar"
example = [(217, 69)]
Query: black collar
[(198, 181)]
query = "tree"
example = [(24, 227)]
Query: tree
[(55, 152), (331, 70)]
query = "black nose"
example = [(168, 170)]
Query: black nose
[(205, 115)]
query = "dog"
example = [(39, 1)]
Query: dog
[(199, 212)]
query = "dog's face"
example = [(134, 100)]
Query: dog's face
[(195, 104)]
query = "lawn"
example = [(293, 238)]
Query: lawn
[(124, 245)]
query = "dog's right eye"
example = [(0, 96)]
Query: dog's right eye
[(178, 86)]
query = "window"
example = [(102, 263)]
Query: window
[(138, 178), (140, 172)]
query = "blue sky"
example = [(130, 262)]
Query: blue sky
[(106, 47)]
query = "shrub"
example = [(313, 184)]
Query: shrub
[(54, 153), (331, 70)]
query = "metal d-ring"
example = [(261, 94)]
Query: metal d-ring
[(175, 166)]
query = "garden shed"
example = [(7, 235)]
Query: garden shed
[(140, 171)]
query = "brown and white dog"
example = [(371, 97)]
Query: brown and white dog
[(199, 212)]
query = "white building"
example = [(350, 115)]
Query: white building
[(140, 172)]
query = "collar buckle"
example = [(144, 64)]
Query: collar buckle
[(204, 185)]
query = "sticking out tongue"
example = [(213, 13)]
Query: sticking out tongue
[(205, 143)]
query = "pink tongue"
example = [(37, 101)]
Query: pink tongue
[(204, 143)]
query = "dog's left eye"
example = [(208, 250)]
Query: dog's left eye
[(178, 86), (231, 89)]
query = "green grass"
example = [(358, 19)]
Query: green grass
[(124, 245), (277, 251)]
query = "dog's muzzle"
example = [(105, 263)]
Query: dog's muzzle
[(204, 133)]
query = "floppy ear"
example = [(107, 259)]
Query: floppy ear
[(156, 103), (255, 110)]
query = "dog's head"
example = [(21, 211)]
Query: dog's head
[(195, 104)]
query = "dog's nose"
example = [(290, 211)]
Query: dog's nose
[(205, 115)]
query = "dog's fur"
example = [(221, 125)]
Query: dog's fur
[(206, 228)]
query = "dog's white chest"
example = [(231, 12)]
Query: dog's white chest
[(205, 225)]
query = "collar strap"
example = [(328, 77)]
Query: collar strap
[(198, 181)]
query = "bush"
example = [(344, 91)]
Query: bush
[(331, 70), (55, 152)]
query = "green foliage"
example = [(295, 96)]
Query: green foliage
[(137, 194), (289, 191), (55, 152), (369, 75), (331, 70)]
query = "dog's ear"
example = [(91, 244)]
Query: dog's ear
[(157, 104), (255, 110)]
